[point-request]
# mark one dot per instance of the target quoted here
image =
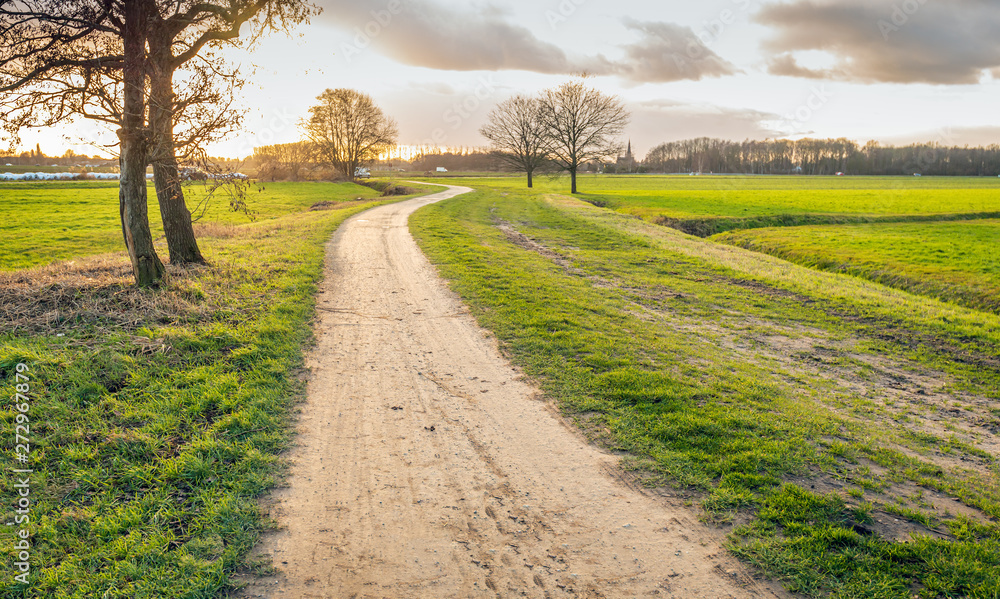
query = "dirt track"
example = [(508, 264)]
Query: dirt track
[(426, 467)]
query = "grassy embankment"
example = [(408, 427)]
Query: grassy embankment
[(952, 261), (844, 431), (156, 415)]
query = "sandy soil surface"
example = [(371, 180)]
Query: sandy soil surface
[(427, 467)]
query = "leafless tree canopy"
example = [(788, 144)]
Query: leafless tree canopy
[(568, 126), (347, 129), (116, 61), (582, 125), (60, 60), (518, 135)]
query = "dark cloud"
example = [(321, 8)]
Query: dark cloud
[(669, 52), (471, 38), (785, 65), (424, 33), (893, 41)]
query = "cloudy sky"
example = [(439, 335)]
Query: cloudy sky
[(891, 70)]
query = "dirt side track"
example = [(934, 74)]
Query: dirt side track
[(426, 467)]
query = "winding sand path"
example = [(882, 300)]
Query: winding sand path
[(426, 467)]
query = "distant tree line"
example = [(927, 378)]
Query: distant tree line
[(473, 160), (821, 157), (36, 157), (300, 161)]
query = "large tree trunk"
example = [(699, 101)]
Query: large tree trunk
[(132, 198), (177, 225), (181, 241), (529, 179), (572, 178)]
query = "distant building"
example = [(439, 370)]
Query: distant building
[(626, 163)]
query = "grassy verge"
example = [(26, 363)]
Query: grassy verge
[(845, 433), (947, 260), (157, 415)]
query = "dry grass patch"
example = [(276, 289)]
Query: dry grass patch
[(93, 292)]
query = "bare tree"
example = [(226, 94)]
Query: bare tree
[(203, 114), (517, 134), (180, 32), (146, 264), (347, 129), (582, 125), (284, 161), (53, 60), (61, 60)]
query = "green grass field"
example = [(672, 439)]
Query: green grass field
[(156, 415), (953, 261), (844, 433), (708, 205), (40, 222), (927, 235)]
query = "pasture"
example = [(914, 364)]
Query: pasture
[(42, 222), (706, 205), (843, 433)]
